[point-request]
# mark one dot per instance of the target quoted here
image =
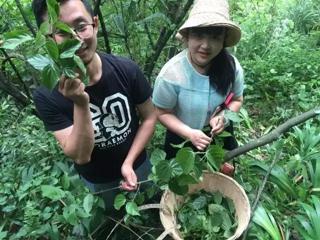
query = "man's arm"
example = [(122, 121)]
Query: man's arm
[(77, 141), (148, 120)]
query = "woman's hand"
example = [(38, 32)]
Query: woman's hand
[(199, 139), (217, 124), (129, 182)]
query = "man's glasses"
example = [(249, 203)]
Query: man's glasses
[(83, 31)]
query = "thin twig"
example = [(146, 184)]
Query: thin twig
[(123, 225), (254, 205), (114, 188)]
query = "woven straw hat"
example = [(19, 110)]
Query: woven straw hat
[(215, 13)]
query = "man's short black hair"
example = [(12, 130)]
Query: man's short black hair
[(39, 8)]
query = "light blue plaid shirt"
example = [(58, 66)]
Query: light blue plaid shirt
[(188, 93)]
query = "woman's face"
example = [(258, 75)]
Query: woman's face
[(204, 44)]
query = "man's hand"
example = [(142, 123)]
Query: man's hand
[(217, 124), (199, 139), (129, 176), (73, 89)]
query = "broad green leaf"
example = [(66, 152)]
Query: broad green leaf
[(88, 203), (199, 202), (64, 27), (52, 49), (54, 193), (70, 52), (119, 201), (163, 171), (185, 157), (175, 167), (215, 155), (50, 76), (156, 156), (69, 213), (132, 209), (225, 134), (65, 181), (82, 67), (12, 43), (175, 187), (39, 62), (186, 179), (45, 28), (232, 116), (69, 47)]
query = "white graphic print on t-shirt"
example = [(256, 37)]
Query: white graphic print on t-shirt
[(111, 121)]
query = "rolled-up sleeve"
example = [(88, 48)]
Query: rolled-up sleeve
[(165, 94), (238, 85)]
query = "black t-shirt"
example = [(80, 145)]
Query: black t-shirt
[(113, 103)]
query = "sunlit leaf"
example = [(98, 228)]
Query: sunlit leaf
[(119, 201), (52, 192), (88, 203), (132, 209), (12, 43), (156, 156), (39, 62)]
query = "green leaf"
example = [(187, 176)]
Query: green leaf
[(156, 156), (215, 155), (186, 179), (39, 62), (64, 27), (163, 171), (50, 76), (132, 209), (265, 219), (54, 193), (119, 201), (118, 20), (83, 69), (53, 10), (232, 116), (12, 43), (69, 213), (88, 203), (199, 202), (69, 47), (185, 157), (52, 49), (177, 188)]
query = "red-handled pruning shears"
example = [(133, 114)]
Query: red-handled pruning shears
[(224, 105)]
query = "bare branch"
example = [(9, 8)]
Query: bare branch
[(273, 135)]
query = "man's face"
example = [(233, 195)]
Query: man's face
[(74, 13)]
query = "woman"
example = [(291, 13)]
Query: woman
[(193, 84)]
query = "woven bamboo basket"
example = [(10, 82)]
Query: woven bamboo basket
[(212, 182)]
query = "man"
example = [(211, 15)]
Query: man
[(97, 125)]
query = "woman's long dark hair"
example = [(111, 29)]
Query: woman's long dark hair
[(222, 72)]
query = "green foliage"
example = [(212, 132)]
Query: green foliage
[(264, 219), (308, 222), (38, 191), (207, 216)]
